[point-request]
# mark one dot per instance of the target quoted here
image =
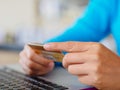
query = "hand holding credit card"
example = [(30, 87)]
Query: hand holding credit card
[(52, 55)]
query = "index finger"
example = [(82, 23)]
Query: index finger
[(68, 46)]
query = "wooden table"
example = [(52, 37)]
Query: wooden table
[(8, 57)]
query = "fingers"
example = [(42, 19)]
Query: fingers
[(31, 55), (27, 69), (68, 46), (78, 69), (32, 68), (83, 72), (33, 63), (76, 58)]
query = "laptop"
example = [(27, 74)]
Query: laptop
[(12, 77)]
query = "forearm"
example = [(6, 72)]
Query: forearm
[(92, 26), (80, 32)]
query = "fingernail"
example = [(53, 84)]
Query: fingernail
[(48, 46)]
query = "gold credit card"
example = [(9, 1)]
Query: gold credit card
[(56, 56)]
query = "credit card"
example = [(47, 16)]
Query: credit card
[(56, 56)]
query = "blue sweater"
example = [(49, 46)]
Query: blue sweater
[(101, 18)]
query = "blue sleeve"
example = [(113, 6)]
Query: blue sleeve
[(93, 26)]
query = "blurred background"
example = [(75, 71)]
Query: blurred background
[(23, 21)]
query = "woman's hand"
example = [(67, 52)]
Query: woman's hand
[(34, 64), (93, 63)]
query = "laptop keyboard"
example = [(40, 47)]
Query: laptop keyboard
[(13, 80)]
